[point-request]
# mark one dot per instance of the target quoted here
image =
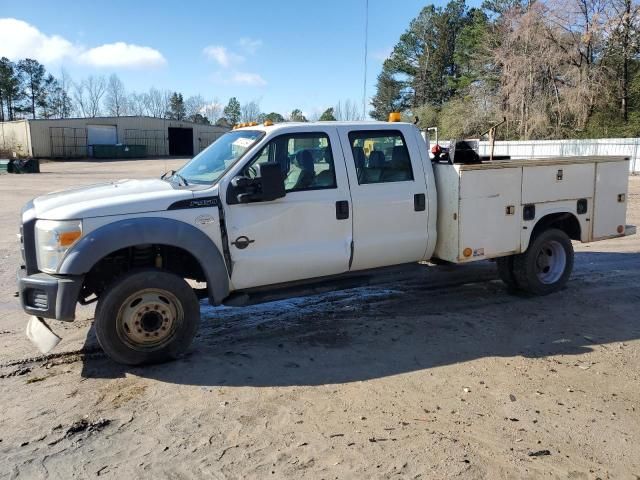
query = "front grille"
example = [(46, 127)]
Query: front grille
[(28, 246)]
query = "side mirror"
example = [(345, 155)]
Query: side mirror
[(268, 186), (271, 181)]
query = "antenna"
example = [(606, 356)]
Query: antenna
[(366, 42)]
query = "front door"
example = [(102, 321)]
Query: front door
[(389, 196), (305, 234)]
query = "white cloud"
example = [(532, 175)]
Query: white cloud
[(250, 45), (228, 60), (122, 54), (238, 78), (19, 39), (251, 79), (223, 56)]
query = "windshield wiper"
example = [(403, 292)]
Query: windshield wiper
[(173, 174), (180, 179)]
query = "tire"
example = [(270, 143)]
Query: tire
[(147, 316), (546, 265), (505, 272)]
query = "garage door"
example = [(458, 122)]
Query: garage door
[(102, 135)]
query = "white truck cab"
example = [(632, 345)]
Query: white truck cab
[(270, 207)]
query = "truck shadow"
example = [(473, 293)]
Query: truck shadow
[(431, 317)]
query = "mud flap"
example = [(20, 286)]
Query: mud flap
[(41, 335)]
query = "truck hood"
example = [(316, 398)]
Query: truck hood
[(114, 198)]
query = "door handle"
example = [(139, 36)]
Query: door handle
[(419, 202), (342, 210), (242, 242)]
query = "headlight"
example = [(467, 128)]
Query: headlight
[(53, 239)]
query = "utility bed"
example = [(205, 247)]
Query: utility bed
[(486, 209)]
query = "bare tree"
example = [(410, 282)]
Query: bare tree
[(65, 104), (213, 110), (93, 89), (194, 106), (80, 99), (115, 97), (137, 104), (349, 111), (250, 111), (549, 82), (157, 102)]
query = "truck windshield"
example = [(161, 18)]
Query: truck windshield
[(209, 165)]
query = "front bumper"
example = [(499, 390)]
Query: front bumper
[(49, 296)]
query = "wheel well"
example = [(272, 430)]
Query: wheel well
[(567, 222), (115, 264)]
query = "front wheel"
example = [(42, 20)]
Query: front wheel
[(546, 265), (147, 316)]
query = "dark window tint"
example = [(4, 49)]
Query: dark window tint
[(305, 159), (380, 156)]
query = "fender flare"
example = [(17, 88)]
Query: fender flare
[(545, 220), (150, 230)]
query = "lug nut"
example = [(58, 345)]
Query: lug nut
[(139, 331), (146, 334)]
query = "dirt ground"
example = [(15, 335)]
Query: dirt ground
[(430, 372)]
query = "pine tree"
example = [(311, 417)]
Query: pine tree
[(388, 97), (10, 88), (327, 115), (34, 73), (232, 111), (176, 107)]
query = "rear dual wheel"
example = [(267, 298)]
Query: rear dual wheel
[(544, 268)]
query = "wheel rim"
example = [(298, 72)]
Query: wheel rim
[(551, 262), (149, 319)]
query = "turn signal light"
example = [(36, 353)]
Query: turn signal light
[(620, 228), (467, 252), (394, 117), (66, 239)]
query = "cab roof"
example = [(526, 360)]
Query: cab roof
[(312, 125)]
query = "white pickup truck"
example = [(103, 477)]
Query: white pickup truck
[(272, 207)]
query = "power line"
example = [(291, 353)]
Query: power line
[(366, 42)]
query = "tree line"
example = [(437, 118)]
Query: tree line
[(27, 90), (551, 68)]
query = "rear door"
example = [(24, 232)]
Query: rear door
[(389, 195)]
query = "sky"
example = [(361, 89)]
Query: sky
[(284, 54)]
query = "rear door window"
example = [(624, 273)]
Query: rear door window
[(380, 156)]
